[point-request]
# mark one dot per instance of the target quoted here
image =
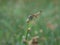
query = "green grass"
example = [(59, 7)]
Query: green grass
[(13, 15)]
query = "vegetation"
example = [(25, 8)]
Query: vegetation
[(13, 26)]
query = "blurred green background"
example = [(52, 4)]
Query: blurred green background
[(13, 15)]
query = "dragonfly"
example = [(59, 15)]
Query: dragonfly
[(30, 17)]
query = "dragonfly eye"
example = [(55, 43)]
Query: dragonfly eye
[(30, 17)]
